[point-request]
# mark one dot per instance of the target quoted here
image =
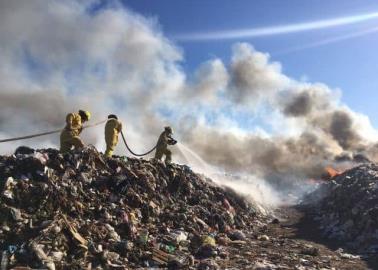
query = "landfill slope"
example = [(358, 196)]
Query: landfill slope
[(347, 208), (79, 211)]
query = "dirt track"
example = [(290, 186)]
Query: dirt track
[(294, 243)]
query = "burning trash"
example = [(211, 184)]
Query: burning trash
[(330, 173), (348, 207), (75, 211)]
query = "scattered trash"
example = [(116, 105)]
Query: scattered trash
[(208, 265), (263, 237), (75, 211), (275, 221), (310, 250), (237, 235), (160, 257), (208, 240), (344, 255), (264, 265), (143, 236), (4, 260), (347, 208)]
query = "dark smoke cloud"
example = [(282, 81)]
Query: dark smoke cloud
[(303, 156), (38, 107), (316, 107), (300, 105), (343, 130), (307, 100)]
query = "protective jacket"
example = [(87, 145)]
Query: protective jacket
[(164, 140), (74, 124), (112, 129), (70, 134)]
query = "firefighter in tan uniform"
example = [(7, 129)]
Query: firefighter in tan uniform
[(165, 139), (69, 136), (112, 129)]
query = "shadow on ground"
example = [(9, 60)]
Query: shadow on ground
[(302, 226)]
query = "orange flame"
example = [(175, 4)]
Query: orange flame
[(331, 172)]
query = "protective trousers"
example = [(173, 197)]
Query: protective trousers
[(111, 143), (160, 152), (68, 139)]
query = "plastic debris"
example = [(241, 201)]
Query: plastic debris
[(78, 211), (347, 208)]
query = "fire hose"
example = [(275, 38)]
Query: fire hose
[(46, 133), (84, 127), (132, 152)]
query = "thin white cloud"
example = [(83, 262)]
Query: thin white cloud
[(328, 41), (277, 29)]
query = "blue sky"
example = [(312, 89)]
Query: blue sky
[(350, 64)]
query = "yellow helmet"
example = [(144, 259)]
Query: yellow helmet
[(85, 114)]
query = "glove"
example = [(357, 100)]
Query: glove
[(172, 142)]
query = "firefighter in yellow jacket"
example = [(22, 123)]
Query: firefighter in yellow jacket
[(70, 134), (112, 129), (165, 139)]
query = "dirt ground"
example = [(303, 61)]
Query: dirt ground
[(292, 243)]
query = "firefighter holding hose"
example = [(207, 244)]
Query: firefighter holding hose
[(112, 129), (165, 139), (69, 137)]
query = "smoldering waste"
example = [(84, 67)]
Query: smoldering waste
[(77, 211), (347, 208)]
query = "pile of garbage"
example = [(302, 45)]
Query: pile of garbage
[(80, 211), (347, 208)]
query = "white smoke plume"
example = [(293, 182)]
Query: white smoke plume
[(245, 116), (253, 76)]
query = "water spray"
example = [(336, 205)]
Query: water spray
[(250, 186)]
